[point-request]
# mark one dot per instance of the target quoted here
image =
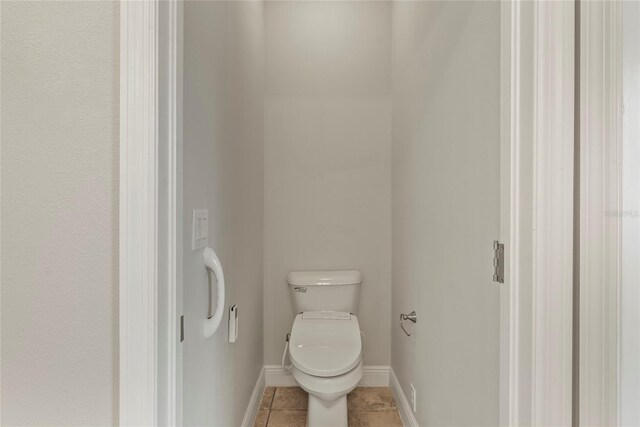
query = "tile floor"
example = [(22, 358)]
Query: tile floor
[(368, 407)]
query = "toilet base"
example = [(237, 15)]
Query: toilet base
[(322, 414)]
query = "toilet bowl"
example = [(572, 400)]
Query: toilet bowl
[(325, 350)]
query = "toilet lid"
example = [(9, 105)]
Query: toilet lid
[(325, 343)]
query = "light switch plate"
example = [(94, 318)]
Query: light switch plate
[(200, 228)]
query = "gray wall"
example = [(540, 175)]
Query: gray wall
[(327, 158), (446, 165), (223, 172), (59, 213)]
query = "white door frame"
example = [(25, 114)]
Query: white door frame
[(537, 212), (150, 296), (600, 207), (537, 172)]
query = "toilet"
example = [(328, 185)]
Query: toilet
[(325, 348)]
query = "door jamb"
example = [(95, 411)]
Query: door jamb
[(600, 208), (150, 212), (537, 69)]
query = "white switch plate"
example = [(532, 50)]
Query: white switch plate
[(200, 228)]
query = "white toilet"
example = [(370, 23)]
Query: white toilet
[(325, 346)]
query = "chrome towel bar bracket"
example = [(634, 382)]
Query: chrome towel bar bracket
[(413, 317)]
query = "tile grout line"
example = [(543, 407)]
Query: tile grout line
[(270, 405)]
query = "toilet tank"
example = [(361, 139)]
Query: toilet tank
[(325, 290)]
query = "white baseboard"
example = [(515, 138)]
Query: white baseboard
[(274, 375), (373, 376), (254, 403), (406, 413)]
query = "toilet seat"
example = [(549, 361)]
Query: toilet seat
[(325, 343)]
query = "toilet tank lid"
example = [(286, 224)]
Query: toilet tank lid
[(324, 278)]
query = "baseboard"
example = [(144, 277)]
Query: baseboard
[(373, 376), (274, 375), (406, 413), (254, 403)]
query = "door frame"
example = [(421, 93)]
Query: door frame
[(536, 89), (150, 228), (600, 208), (537, 150)]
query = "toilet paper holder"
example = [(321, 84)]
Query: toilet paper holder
[(413, 317)]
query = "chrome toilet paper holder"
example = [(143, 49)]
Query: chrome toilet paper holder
[(413, 317)]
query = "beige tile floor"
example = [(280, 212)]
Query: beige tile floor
[(367, 406)]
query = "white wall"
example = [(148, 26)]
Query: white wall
[(630, 287), (327, 158), (223, 172), (446, 70), (59, 213)]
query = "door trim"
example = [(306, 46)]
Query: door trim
[(553, 212), (600, 208), (537, 212), (150, 168)]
